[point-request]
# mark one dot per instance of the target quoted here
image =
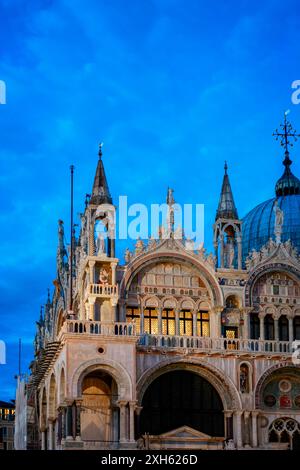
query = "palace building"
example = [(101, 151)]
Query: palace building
[(176, 348)]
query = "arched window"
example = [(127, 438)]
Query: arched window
[(283, 325), (269, 327), (297, 327), (150, 321), (202, 323), (254, 326), (186, 323), (133, 315), (168, 321)]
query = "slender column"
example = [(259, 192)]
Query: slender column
[(78, 420), (276, 329), (222, 251), (59, 425), (50, 427), (261, 327), (92, 309), (69, 420), (254, 415), (113, 273), (112, 247), (216, 253), (246, 317), (64, 422), (215, 316), (159, 312), (291, 330), (138, 410), (114, 311), (132, 405), (228, 424), (238, 429), (177, 322), (141, 319), (239, 244), (43, 443), (92, 272), (247, 430), (195, 323), (122, 405)]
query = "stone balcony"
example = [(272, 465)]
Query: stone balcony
[(102, 290), (86, 327), (167, 342), (217, 345)]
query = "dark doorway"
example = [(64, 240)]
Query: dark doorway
[(181, 398)]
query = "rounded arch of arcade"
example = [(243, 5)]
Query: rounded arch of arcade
[(223, 385), (291, 271), (119, 374), (147, 260), (270, 373)]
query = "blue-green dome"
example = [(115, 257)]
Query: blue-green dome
[(258, 224)]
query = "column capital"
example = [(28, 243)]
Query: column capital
[(121, 403), (238, 412), (133, 403), (255, 413), (228, 413), (246, 414), (217, 309)]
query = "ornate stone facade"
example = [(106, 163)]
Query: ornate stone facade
[(217, 333)]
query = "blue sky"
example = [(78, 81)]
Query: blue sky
[(172, 88)]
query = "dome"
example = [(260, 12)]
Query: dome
[(258, 224)]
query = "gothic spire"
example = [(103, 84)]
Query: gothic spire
[(100, 193), (226, 208)]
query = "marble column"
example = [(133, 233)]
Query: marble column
[(254, 415), (276, 329), (51, 434), (228, 424), (239, 245), (159, 313), (132, 406), (261, 327), (215, 321), (69, 423), (247, 428), (92, 309), (246, 318), (122, 405), (43, 440), (238, 429), (195, 323), (78, 420), (141, 319), (92, 272), (177, 324), (221, 250), (291, 330), (113, 273)]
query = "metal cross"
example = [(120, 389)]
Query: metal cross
[(286, 132)]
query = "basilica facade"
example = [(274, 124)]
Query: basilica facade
[(176, 348)]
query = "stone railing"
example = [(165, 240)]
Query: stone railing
[(102, 290), (216, 344), (98, 328)]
